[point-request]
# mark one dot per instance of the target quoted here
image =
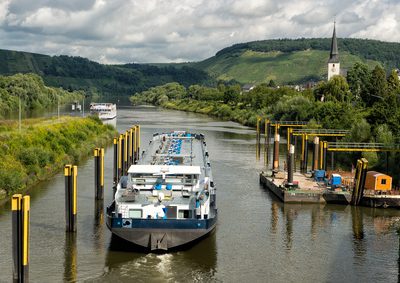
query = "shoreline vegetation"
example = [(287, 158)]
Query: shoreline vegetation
[(32, 91), (367, 103), (43, 147)]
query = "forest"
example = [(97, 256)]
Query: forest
[(32, 91), (367, 103)]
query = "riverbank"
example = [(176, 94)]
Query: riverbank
[(216, 109), (43, 147)]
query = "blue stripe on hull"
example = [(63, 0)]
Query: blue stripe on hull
[(130, 223)]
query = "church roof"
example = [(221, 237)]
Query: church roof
[(334, 56)]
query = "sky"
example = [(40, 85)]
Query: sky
[(149, 31)]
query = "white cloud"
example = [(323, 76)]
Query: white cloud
[(122, 31)]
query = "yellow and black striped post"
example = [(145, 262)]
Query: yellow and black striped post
[(70, 173), (315, 161), (132, 145), (258, 134), (20, 207), (266, 142), (26, 200), (137, 142), (321, 155), (16, 208), (130, 151), (99, 173), (120, 155), (126, 149), (115, 162), (133, 132), (324, 153), (305, 159)]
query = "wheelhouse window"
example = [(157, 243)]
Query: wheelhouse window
[(185, 214), (135, 213)]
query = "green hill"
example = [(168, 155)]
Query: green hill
[(74, 73), (292, 61), (285, 61)]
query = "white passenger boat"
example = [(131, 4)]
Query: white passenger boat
[(105, 111), (168, 199)]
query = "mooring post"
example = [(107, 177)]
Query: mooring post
[(70, 173), (138, 141), (305, 165), (126, 149), (99, 173), (134, 144), (130, 151), (302, 153), (120, 156), (275, 167), (290, 163), (266, 141), (321, 155), (16, 208), (26, 200), (115, 163), (315, 154), (325, 145)]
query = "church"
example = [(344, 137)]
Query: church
[(333, 62)]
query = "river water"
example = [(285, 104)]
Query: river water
[(257, 238)]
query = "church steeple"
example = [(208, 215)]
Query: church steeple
[(334, 56), (333, 62)]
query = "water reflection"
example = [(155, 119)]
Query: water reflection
[(196, 262), (70, 258), (274, 217), (98, 227)]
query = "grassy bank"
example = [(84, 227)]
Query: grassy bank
[(43, 147)]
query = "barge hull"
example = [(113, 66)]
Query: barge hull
[(162, 238)]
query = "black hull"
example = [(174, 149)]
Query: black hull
[(380, 201), (161, 234)]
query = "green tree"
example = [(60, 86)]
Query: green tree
[(358, 78), (377, 86)]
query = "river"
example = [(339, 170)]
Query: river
[(257, 238)]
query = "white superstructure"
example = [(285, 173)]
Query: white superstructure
[(105, 111)]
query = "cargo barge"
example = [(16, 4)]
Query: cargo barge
[(168, 199)]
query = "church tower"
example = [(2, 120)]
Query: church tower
[(333, 63)]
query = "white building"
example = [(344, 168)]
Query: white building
[(333, 62)]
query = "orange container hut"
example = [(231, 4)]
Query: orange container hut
[(377, 181)]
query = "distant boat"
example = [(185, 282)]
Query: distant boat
[(168, 198), (105, 111)]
